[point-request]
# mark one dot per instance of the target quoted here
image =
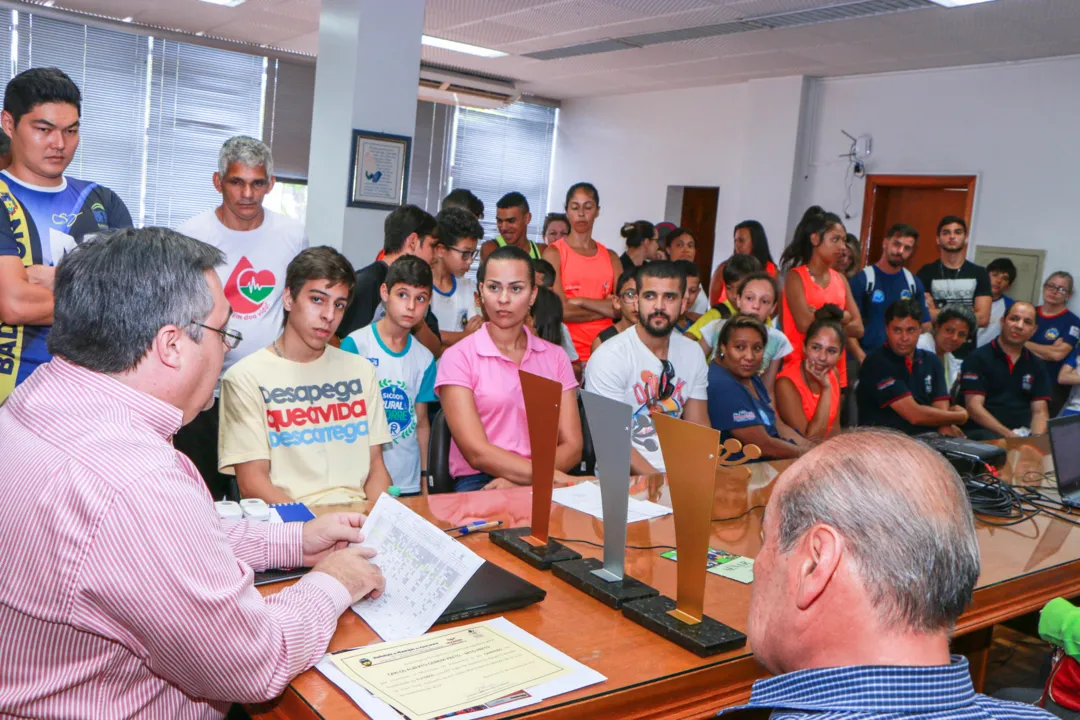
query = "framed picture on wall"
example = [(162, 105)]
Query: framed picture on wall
[(379, 176)]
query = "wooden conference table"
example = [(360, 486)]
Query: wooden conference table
[(1023, 567)]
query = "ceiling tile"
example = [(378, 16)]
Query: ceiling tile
[(307, 44), (557, 17), (442, 14), (489, 33)]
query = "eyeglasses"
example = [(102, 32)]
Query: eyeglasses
[(231, 338), (1059, 289), (667, 381), (469, 255)]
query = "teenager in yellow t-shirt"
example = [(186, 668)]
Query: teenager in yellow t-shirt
[(303, 420)]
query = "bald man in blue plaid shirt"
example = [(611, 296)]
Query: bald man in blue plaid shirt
[(869, 556)]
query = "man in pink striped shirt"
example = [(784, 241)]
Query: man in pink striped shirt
[(121, 593)]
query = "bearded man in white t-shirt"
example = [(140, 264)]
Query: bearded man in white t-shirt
[(651, 369), (258, 246)]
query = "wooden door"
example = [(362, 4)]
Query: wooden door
[(699, 217), (917, 200)]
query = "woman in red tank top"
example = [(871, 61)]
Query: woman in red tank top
[(812, 283), (808, 394), (585, 271)]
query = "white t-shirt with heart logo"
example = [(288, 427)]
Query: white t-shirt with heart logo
[(253, 274)]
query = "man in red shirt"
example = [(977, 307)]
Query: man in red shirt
[(121, 592)]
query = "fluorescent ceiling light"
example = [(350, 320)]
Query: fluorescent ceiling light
[(457, 46), (958, 3), (226, 3)]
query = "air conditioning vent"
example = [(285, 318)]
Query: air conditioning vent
[(452, 88), (798, 18)]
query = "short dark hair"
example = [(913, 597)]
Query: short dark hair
[(626, 277), (742, 320), (587, 187), (1003, 265), (38, 86), (546, 270), (402, 222), (674, 234), (512, 200), (463, 198), (903, 230), (162, 274), (760, 276), (903, 309), (957, 312), (5, 143), (457, 224), (507, 252), (554, 217), (689, 268), (662, 270), (318, 263), (409, 270), (949, 220), (739, 266)]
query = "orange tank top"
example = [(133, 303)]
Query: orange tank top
[(816, 297), (585, 277), (810, 399)]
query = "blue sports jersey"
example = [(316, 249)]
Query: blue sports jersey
[(888, 288), (1064, 325), (41, 225)]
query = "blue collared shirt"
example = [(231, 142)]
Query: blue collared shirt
[(937, 692)]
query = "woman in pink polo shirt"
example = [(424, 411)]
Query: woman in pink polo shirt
[(478, 384)]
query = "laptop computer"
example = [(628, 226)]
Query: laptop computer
[(964, 450), (1065, 449), (490, 590)]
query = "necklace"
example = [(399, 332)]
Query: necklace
[(278, 352)]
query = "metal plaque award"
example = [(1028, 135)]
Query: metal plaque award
[(532, 544), (692, 454), (610, 422)]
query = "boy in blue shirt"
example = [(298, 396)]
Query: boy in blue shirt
[(1002, 272), (404, 367), (879, 285)]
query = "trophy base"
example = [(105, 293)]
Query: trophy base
[(513, 541), (706, 638), (579, 573)]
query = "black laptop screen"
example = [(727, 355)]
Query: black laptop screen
[(1065, 446)]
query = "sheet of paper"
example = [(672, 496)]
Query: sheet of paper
[(424, 567), (724, 564), (585, 497), (575, 676)]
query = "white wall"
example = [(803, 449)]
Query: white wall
[(1013, 125), (632, 147)]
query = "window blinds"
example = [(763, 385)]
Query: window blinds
[(199, 98), (499, 151)]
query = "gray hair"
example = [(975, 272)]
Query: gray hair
[(1063, 274), (905, 516), (957, 312), (247, 151), (115, 292)]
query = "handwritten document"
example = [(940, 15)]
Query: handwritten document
[(425, 569)]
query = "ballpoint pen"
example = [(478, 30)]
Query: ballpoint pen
[(477, 526)]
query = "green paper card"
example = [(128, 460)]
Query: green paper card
[(724, 564)]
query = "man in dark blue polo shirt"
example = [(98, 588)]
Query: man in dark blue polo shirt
[(1006, 388), (903, 387)]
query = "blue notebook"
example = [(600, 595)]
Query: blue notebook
[(294, 512)]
